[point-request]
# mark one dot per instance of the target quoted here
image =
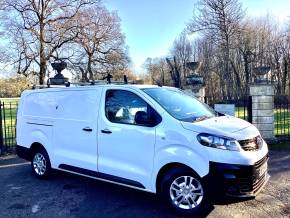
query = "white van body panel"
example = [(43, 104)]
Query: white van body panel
[(74, 146), (55, 119), (32, 128), (129, 150), (41, 133), (174, 144), (227, 126)]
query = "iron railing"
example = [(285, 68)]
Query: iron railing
[(243, 106), (8, 110), (282, 119)]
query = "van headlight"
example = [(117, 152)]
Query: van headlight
[(219, 142)]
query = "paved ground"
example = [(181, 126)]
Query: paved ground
[(65, 195)]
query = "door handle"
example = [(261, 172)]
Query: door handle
[(88, 129), (106, 131)]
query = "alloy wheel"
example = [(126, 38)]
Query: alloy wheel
[(186, 192)]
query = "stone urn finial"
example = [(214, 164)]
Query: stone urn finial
[(194, 66), (59, 66), (58, 79), (194, 78), (262, 74)]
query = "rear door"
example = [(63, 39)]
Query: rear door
[(75, 132), (126, 149)]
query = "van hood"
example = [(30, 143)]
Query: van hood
[(227, 126)]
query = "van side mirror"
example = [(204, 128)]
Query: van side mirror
[(142, 118)]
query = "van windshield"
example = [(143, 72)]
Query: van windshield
[(180, 105)]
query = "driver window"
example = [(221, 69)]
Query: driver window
[(121, 106)]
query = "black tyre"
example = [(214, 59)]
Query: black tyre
[(184, 191), (40, 163)]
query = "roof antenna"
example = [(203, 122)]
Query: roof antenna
[(125, 79), (108, 77)]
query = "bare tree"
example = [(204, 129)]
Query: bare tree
[(38, 28), (219, 21), (158, 70), (286, 62), (174, 72), (100, 43), (182, 51)]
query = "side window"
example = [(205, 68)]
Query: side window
[(121, 107)]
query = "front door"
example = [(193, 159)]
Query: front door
[(126, 149)]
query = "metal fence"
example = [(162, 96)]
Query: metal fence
[(282, 118), (8, 111), (243, 106)]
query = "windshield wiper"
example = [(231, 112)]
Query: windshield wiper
[(198, 119)]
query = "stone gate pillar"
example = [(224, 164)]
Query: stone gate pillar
[(198, 93), (194, 81), (263, 110)]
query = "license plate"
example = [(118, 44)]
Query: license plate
[(262, 169)]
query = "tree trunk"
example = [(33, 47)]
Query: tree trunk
[(229, 78), (43, 61), (42, 71), (284, 78), (247, 72), (162, 77), (238, 81), (177, 75), (91, 75)]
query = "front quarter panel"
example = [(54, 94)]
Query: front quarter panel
[(174, 144)]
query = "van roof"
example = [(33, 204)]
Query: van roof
[(73, 87)]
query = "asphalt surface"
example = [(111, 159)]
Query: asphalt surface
[(66, 195)]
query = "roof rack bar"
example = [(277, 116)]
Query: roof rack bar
[(92, 83)]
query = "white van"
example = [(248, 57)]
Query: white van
[(156, 139)]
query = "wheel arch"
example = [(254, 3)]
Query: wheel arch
[(167, 168), (180, 156), (34, 146)]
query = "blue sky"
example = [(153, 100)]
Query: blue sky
[(151, 26)]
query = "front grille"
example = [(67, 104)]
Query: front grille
[(254, 180), (259, 163), (240, 180), (247, 185), (253, 144)]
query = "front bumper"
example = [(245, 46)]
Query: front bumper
[(239, 180)]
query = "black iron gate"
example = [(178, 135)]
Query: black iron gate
[(8, 112), (1, 130), (243, 106), (282, 117)]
